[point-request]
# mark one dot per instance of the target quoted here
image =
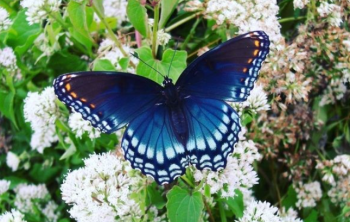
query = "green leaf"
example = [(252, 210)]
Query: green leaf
[(64, 62), (103, 65), (312, 217), (21, 35), (177, 66), (78, 17), (69, 152), (98, 6), (43, 174), (168, 6), (123, 62), (246, 119), (337, 141), (184, 206), (154, 197), (137, 15), (6, 105), (291, 198), (236, 204)]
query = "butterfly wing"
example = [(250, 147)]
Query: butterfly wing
[(213, 130), (150, 145), (109, 100), (227, 72)]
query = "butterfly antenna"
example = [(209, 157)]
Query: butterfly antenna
[(177, 43), (136, 56)]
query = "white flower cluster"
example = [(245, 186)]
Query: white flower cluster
[(308, 194), (4, 186), (260, 211), (257, 100), (163, 37), (300, 3), (5, 22), (289, 216), (25, 194), (248, 15), (12, 216), (109, 51), (80, 126), (8, 58), (12, 161), (336, 173), (238, 174), (38, 10), (331, 12), (101, 191), (41, 111), (116, 9), (335, 91)]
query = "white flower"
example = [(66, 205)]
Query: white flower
[(116, 9), (101, 190), (300, 3), (41, 111), (308, 194), (193, 5), (257, 100), (81, 126), (50, 211), (108, 50), (4, 186), (12, 161), (38, 10), (246, 15), (335, 91), (8, 58), (5, 21), (25, 194), (290, 216), (340, 192), (238, 174), (332, 12), (163, 37), (12, 216), (260, 212)]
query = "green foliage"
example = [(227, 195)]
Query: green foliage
[(178, 64), (138, 16), (184, 205)]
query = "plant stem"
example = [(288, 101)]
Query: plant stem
[(291, 19), (190, 35), (176, 24), (155, 30), (211, 218)]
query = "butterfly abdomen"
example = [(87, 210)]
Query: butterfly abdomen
[(179, 124)]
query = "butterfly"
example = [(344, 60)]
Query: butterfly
[(175, 125)]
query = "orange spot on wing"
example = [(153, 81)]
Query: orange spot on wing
[(83, 100), (73, 94), (257, 43), (250, 60), (92, 105), (245, 69), (67, 86), (256, 52)]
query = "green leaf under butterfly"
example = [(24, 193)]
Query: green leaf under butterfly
[(184, 205), (178, 64)]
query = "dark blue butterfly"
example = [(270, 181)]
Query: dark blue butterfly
[(174, 125)]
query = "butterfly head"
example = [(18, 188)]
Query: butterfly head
[(167, 81)]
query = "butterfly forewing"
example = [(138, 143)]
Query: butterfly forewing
[(227, 72), (109, 100)]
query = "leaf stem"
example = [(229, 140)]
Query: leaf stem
[(211, 217), (155, 30), (190, 35), (111, 34), (291, 19), (176, 24), (222, 212)]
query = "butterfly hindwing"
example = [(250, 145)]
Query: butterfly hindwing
[(213, 130), (227, 72), (109, 100), (150, 145)]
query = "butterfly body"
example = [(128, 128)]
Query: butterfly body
[(172, 126)]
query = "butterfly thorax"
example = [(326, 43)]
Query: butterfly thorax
[(170, 93), (173, 101)]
